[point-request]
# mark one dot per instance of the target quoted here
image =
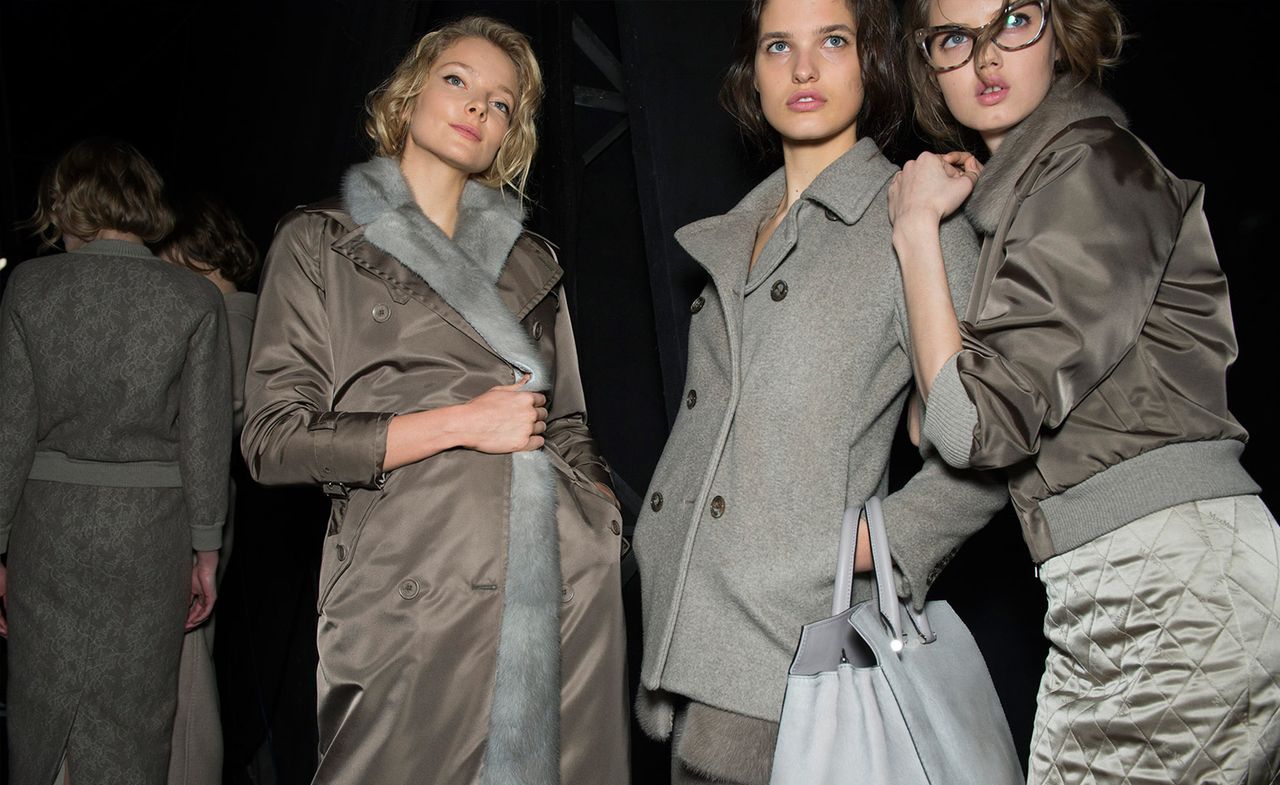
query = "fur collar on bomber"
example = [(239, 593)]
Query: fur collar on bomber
[(461, 269), (1067, 102), (523, 745)]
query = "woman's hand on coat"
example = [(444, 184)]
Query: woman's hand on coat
[(204, 588), (506, 419), (932, 187)]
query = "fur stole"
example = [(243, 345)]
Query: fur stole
[(523, 746), (1068, 101)]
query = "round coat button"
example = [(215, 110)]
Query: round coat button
[(537, 331), (655, 501), (697, 304), (778, 290), (717, 507), (566, 593), (831, 214), (614, 527), (342, 552), (381, 312), (691, 400), (409, 588)]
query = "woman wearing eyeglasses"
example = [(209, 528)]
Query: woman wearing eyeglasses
[(1090, 367)]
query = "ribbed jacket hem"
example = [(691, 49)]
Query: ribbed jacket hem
[(950, 417), (1152, 481)]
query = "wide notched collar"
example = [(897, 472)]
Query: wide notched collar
[(1068, 101), (846, 188), (466, 279)]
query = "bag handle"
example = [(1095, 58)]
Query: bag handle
[(883, 593)]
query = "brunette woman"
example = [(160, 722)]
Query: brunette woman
[(799, 368), (115, 440), (414, 357), (1091, 368)]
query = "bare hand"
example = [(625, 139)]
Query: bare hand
[(932, 186), (204, 588), (506, 419), (4, 602)]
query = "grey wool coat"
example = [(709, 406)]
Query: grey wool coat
[(797, 378), (115, 437), (470, 605)]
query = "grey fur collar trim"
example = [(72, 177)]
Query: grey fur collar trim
[(461, 269), (1066, 103), (523, 745)]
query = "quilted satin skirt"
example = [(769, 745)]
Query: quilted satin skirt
[(1164, 660)]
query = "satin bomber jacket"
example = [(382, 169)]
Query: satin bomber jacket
[(1098, 335)]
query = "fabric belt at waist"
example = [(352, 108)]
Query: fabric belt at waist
[(52, 466)]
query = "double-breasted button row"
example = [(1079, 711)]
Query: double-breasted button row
[(697, 304), (717, 506), (778, 290), (691, 400), (655, 501)]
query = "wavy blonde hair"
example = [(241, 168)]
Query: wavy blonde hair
[(101, 184), (390, 104)]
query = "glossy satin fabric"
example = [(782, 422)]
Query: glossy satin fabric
[(1165, 658), (414, 565), (1099, 327)]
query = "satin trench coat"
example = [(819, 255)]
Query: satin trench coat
[(411, 582)]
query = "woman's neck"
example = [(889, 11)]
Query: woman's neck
[(802, 162), (436, 187)]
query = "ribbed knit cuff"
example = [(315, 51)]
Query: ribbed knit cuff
[(206, 537), (950, 417)]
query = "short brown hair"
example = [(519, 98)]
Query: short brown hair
[(1089, 35), (391, 103), (884, 101), (208, 237), (101, 184)]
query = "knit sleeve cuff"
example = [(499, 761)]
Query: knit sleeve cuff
[(950, 417), (206, 537)]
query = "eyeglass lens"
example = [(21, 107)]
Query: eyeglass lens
[(1018, 26)]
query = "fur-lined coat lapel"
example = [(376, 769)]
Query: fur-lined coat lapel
[(523, 739), (462, 270), (1068, 101)]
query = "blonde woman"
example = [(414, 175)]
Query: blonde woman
[(414, 357)]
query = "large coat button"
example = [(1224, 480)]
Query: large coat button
[(831, 214), (778, 290), (342, 552), (566, 593), (381, 312), (691, 400), (537, 331), (655, 501), (717, 507), (409, 588), (615, 527), (697, 304)]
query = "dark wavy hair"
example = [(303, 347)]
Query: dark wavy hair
[(1089, 34), (209, 237), (101, 184), (884, 96)]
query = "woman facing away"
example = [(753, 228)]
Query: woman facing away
[(115, 440), (1091, 367), (799, 368), (413, 356)]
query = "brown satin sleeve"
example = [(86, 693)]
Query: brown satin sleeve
[(290, 433), (1081, 263), (567, 432)]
